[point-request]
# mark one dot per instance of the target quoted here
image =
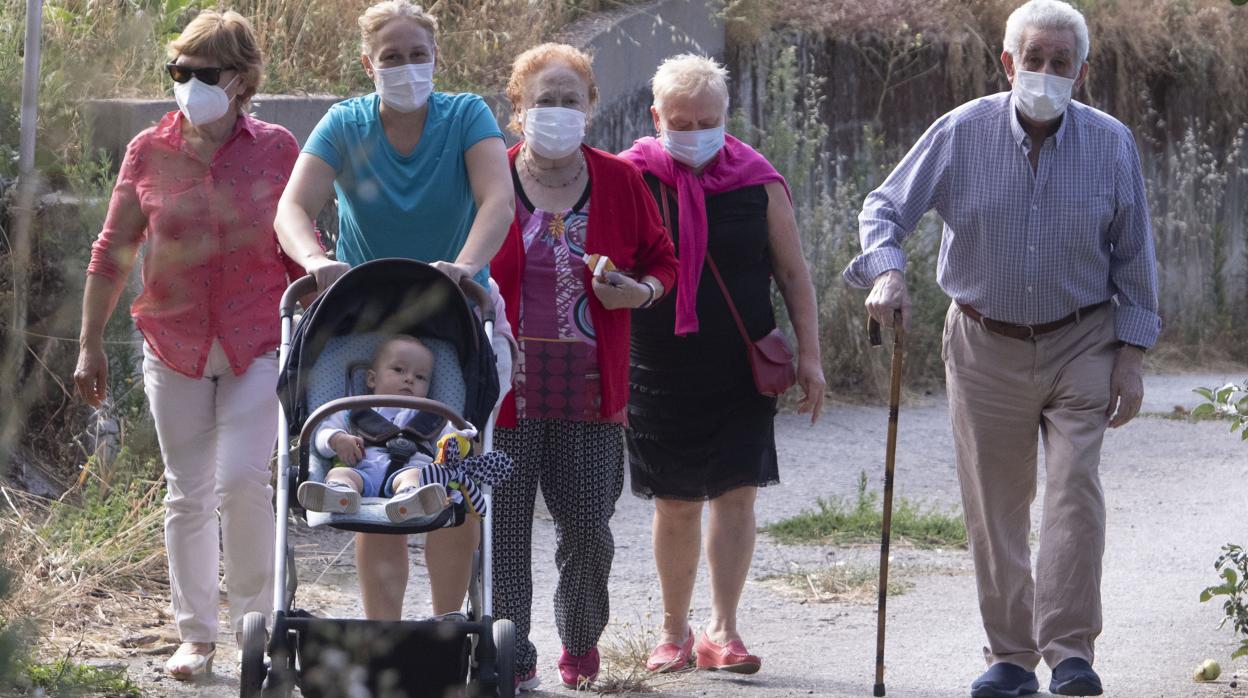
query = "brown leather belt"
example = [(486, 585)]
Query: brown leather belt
[(1026, 331)]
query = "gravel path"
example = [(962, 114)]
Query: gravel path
[(1176, 491)]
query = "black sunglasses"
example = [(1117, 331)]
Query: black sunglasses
[(182, 73)]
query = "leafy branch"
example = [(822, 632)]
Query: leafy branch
[(1232, 565), (1230, 401)]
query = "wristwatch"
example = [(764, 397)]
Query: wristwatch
[(654, 292)]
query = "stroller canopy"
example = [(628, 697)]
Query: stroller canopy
[(388, 297)]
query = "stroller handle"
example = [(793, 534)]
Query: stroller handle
[(300, 288), (479, 296), (361, 401)]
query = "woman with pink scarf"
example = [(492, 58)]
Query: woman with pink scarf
[(699, 429)]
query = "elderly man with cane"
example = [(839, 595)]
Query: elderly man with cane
[(1048, 256)]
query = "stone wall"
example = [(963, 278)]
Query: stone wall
[(627, 45)]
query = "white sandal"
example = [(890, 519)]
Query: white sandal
[(186, 664)]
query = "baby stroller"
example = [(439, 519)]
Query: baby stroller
[(324, 364)]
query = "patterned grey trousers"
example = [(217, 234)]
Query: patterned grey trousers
[(580, 467)]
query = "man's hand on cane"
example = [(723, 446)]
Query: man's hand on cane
[(889, 294)]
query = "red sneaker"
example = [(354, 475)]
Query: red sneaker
[(730, 657), (670, 656), (578, 672)]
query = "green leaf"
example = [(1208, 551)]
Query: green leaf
[(1242, 651), (1206, 595), (1205, 392), (1224, 393), (1229, 575), (1203, 410)]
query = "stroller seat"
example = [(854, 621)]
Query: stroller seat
[(342, 371)]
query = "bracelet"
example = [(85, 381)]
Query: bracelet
[(653, 295)]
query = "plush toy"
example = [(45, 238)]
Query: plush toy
[(460, 474)]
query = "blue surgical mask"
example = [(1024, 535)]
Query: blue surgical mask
[(693, 148)]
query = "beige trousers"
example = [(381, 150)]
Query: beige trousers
[(1002, 391)]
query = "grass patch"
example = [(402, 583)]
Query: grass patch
[(841, 583), (1179, 414), (839, 521), (68, 678)]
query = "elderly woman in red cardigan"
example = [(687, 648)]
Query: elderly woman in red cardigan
[(586, 247)]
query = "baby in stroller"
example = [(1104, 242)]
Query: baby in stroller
[(411, 457)]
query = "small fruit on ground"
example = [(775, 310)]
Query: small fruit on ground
[(1208, 670)]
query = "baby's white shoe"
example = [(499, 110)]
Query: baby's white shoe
[(332, 497), (414, 502)]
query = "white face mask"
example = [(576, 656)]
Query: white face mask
[(554, 132), (1041, 96), (406, 87), (201, 103), (694, 148)]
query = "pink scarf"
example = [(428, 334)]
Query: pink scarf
[(736, 166)]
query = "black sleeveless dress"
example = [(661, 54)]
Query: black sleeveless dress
[(697, 426)]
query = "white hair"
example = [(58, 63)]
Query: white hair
[(689, 74), (1046, 14)]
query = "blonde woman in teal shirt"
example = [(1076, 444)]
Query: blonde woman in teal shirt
[(418, 174)]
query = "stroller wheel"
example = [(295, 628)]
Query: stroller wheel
[(505, 657), (251, 679), (281, 679)]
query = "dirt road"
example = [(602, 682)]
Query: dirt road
[(1176, 491)]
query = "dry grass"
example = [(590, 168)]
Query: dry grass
[(624, 650), (88, 572), (839, 583)]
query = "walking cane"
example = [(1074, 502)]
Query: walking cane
[(890, 459)]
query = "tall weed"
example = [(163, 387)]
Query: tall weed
[(828, 192)]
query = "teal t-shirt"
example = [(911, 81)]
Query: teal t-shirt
[(418, 206)]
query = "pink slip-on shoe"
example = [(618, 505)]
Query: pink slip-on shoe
[(670, 656), (728, 657), (578, 672)]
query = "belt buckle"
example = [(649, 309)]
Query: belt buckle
[(1031, 332)]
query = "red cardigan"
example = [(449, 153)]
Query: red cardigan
[(624, 224)]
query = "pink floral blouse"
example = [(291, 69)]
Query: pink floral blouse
[(212, 268)]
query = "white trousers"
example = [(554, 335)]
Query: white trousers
[(216, 435)]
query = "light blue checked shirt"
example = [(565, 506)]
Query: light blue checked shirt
[(1023, 247)]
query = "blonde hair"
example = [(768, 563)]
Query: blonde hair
[(536, 59), (689, 74), (228, 37), (381, 14)]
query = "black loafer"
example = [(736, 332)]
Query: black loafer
[(1005, 680), (1075, 677)]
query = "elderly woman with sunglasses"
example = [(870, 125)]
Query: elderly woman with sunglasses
[(421, 175), (199, 190)]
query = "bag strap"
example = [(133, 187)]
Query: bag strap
[(710, 261)]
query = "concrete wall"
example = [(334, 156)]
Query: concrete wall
[(627, 44)]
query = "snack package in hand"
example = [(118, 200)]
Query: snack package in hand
[(599, 265)]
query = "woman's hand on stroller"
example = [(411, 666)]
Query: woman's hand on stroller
[(325, 270), (454, 270), (349, 449)]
